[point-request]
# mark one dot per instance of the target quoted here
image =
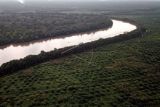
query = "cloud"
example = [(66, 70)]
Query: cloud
[(21, 1)]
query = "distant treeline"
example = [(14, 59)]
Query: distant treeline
[(26, 27), (32, 60)]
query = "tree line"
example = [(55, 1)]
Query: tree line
[(25, 27), (32, 60)]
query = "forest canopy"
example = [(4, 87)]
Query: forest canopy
[(24, 27)]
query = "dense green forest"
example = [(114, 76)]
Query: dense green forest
[(121, 74), (28, 61), (25, 27)]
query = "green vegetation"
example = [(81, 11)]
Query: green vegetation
[(9, 67), (123, 74), (24, 27)]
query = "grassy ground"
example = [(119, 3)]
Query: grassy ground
[(124, 74)]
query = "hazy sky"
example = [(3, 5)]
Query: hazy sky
[(79, 0), (23, 1)]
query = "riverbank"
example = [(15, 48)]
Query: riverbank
[(45, 56), (20, 28), (121, 74)]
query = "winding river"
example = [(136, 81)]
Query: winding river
[(13, 52)]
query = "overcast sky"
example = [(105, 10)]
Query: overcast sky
[(79, 0), (23, 1)]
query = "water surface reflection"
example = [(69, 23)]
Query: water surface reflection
[(13, 52)]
